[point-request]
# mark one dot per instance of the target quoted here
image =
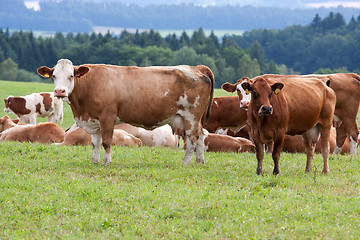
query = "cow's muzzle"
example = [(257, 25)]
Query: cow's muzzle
[(244, 104), (60, 93), (265, 110)]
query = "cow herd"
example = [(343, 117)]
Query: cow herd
[(156, 106)]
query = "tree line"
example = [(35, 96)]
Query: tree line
[(325, 45), (327, 42)]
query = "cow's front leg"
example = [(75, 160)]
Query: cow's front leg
[(278, 144), (107, 129), (96, 142)]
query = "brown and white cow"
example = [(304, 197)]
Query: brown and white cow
[(225, 113), (289, 106), (120, 138), (160, 136), (28, 108), (42, 132), (102, 95), (347, 90)]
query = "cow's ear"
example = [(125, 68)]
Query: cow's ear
[(276, 87), (229, 87), (81, 71), (246, 86), (45, 71), (16, 121)]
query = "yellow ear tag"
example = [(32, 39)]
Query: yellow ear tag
[(247, 92), (78, 75), (47, 75), (277, 91)]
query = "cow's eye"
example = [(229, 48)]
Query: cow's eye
[(255, 95), (53, 76)]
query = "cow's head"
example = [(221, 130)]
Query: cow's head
[(63, 75), (7, 102), (261, 93), (244, 97)]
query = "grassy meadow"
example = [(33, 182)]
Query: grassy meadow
[(54, 192)]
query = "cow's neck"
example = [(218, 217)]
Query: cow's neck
[(78, 96)]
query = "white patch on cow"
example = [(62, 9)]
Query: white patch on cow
[(127, 137), (63, 76), (189, 117), (186, 70), (183, 101), (222, 131), (92, 126), (166, 93), (190, 148), (337, 149), (200, 148), (96, 142), (353, 145), (244, 102), (313, 134)]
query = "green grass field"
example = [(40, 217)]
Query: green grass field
[(54, 192)]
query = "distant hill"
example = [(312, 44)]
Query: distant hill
[(83, 15)]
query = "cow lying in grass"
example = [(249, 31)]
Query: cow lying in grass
[(120, 138), (224, 143), (41, 133), (161, 136)]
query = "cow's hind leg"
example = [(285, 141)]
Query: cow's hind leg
[(309, 150), (190, 148), (353, 135), (96, 142), (200, 148), (340, 138), (325, 149)]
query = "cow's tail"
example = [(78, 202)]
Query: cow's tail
[(210, 75)]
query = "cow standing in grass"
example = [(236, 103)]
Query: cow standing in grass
[(288, 106), (28, 108), (103, 95), (347, 90)]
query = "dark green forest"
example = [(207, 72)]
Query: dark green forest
[(326, 45)]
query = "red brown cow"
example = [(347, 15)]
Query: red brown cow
[(120, 138), (225, 143), (102, 95), (28, 108), (289, 106), (294, 144), (225, 113), (347, 90), (42, 132)]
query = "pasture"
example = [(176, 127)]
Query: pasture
[(51, 191)]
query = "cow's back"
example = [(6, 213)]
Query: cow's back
[(141, 96), (306, 101)]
